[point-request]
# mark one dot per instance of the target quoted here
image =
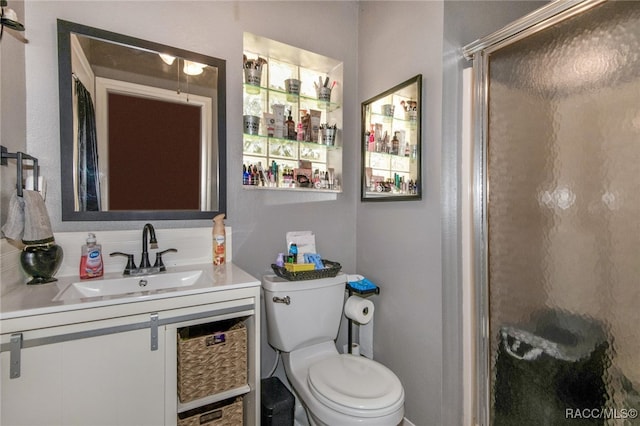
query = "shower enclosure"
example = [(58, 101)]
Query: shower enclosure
[(557, 216)]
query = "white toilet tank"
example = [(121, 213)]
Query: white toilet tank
[(302, 313)]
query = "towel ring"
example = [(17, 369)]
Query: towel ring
[(20, 157)]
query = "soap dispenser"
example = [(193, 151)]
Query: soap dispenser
[(91, 265)]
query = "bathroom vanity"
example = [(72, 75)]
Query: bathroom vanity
[(111, 359)]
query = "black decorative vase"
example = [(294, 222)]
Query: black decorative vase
[(41, 262)]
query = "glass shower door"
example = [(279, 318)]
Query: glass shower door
[(562, 222)]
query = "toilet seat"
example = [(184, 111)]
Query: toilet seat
[(354, 384)]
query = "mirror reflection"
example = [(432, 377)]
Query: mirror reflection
[(142, 128)]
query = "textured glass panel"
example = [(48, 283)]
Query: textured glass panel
[(564, 222)]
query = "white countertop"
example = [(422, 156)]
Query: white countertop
[(30, 300)]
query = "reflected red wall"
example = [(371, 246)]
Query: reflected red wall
[(153, 147)]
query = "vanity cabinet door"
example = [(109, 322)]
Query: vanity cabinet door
[(33, 398), (112, 379)]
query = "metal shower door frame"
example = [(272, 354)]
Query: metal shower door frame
[(479, 52)]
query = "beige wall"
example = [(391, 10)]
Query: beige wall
[(399, 242), (12, 135)]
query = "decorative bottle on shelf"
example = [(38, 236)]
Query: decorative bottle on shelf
[(372, 139), (395, 144), (290, 125)]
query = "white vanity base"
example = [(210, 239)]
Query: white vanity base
[(113, 360)]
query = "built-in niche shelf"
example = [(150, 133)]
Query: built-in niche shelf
[(282, 81)]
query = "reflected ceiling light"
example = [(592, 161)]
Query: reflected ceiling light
[(168, 59), (193, 68)]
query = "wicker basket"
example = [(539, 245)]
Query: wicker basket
[(212, 358), (224, 413), (331, 269)]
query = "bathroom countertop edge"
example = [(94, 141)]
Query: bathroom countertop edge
[(37, 300)]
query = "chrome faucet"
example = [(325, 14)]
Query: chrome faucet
[(147, 230)]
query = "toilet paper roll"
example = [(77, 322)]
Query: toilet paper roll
[(358, 309)]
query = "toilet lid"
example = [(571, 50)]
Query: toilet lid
[(350, 381)]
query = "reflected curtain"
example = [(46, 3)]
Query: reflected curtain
[(87, 145)]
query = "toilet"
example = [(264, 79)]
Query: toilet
[(303, 318)]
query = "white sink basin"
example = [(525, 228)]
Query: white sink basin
[(134, 285)]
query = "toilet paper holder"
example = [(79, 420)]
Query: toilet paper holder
[(359, 285)]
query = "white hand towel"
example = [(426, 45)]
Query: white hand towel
[(28, 219)]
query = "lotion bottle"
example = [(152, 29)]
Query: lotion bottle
[(218, 239), (91, 265)]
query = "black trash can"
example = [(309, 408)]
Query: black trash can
[(277, 403), (549, 369)]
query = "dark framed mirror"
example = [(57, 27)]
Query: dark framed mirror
[(392, 144), (142, 128)]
